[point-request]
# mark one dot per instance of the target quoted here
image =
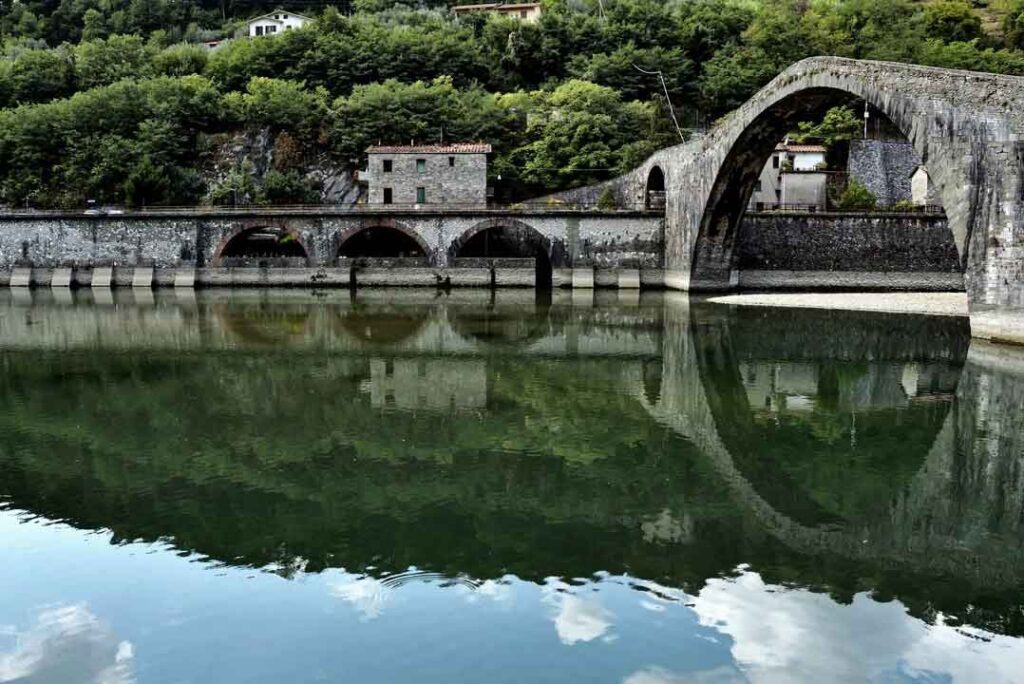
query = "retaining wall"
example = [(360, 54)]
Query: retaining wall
[(893, 251)]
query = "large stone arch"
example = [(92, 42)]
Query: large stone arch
[(239, 229), (966, 126), (695, 348)]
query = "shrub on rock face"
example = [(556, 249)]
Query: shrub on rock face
[(606, 200), (856, 197)]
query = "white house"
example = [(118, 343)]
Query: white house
[(792, 175), (528, 12), (275, 22)]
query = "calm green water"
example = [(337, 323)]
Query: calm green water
[(403, 486)]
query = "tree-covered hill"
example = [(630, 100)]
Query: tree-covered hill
[(123, 100)]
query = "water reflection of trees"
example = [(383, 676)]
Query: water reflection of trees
[(559, 471)]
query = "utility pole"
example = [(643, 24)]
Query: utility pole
[(664, 87)]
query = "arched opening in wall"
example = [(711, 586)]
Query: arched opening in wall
[(654, 197), (775, 203), (264, 246), (508, 241), (382, 242)]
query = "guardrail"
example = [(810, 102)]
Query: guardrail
[(762, 207), (336, 209)]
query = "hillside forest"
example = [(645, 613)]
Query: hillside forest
[(166, 102)]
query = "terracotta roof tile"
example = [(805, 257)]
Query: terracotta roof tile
[(793, 147), (453, 148)]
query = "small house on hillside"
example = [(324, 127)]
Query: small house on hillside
[(427, 174), (275, 22), (522, 11)]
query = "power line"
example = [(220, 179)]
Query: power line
[(671, 109)]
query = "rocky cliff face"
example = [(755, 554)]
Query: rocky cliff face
[(255, 152)]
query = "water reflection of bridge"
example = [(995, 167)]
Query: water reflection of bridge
[(949, 505), (919, 526)]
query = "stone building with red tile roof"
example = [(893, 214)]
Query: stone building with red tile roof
[(444, 174)]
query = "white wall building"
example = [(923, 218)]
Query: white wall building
[(275, 22), (805, 163), (528, 12)]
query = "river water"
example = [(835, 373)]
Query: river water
[(413, 486)]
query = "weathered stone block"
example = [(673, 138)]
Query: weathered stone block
[(629, 279), (21, 277), (142, 277), (582, 278), (62, 277), (102, 276)]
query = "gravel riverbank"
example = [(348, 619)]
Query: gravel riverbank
[(931, 303)]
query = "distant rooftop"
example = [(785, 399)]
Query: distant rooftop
[(792, 147), (511, 7), (453, 148)]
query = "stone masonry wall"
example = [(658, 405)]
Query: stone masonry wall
[(884, 167), (463, 183), (879, 251)]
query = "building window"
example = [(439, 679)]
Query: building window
[(421, 195), (271, 29), (522, 14), (757, 186), (277, 16), (259, 30), (451, 161), (387, 195), (421, 166), (775, 161), (387, 166)]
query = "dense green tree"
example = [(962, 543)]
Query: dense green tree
[(41, 75), (105, 60), (864, 29), (952, 21), (732, 76), (578, 133), (972, 57), (839, 124), (181, 60), (619, 70), (398, 112)]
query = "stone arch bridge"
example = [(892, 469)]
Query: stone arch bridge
[(967, 127), (201, 238)]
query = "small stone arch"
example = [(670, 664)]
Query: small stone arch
[(536, 236), (531, 240), (654, 190), (387, 224), (240, 231)]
